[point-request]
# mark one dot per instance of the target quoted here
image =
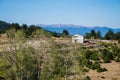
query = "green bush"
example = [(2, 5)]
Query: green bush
[(102, 77), (101, 69), (94, 56), (106, 60), (87, 54), (119, 41), (117, 59), (106, 55), (95, 65), (84, 70), (87, 63)]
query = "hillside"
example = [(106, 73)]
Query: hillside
[(35, 54), (76, 29), (3, 25), (59, 59)]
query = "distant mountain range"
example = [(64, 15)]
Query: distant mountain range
[(76, 29), (73, 29)]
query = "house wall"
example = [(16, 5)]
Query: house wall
[(78, 39)]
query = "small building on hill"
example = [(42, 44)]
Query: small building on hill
[(77, 38)]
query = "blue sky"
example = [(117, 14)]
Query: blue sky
[(80, 12)]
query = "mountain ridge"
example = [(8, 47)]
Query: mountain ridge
[(3, 25), (73, 29), (76, 29)]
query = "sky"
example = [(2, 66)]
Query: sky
[(104, 13)]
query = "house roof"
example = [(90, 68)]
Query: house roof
[(77, 35)]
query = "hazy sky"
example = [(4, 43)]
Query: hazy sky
[(80, 12)]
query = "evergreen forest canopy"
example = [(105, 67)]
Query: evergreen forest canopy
[(30, 31)]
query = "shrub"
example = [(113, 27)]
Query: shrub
[(84, 70), (117, 59), (101, 69), (87, 54), (119, 41), (87, 78), (94, 56), (106, 55), (91, 55), (102, 77), (87, 63), (80, 61), (106, 60), (95, 65)]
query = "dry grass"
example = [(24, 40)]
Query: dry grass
[(112, 73)]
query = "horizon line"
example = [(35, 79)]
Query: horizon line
[(62, 24)]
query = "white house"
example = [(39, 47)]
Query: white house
[(78, 38)]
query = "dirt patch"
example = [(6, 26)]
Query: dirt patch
[(113, 72)]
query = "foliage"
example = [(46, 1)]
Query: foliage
[(98, 35), (119, 41), (87, 63), (109, 35), (3, 26), (61, 69), (96, 65), (90, 55), (30, 31), (30, 64), (102, 77), (93, 35), (106, 55), (25, 62), (65, 33), (11, 33), (20, 36), (101, 69), (15, 26), (55, 34), (87, 78), (117, 35)]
